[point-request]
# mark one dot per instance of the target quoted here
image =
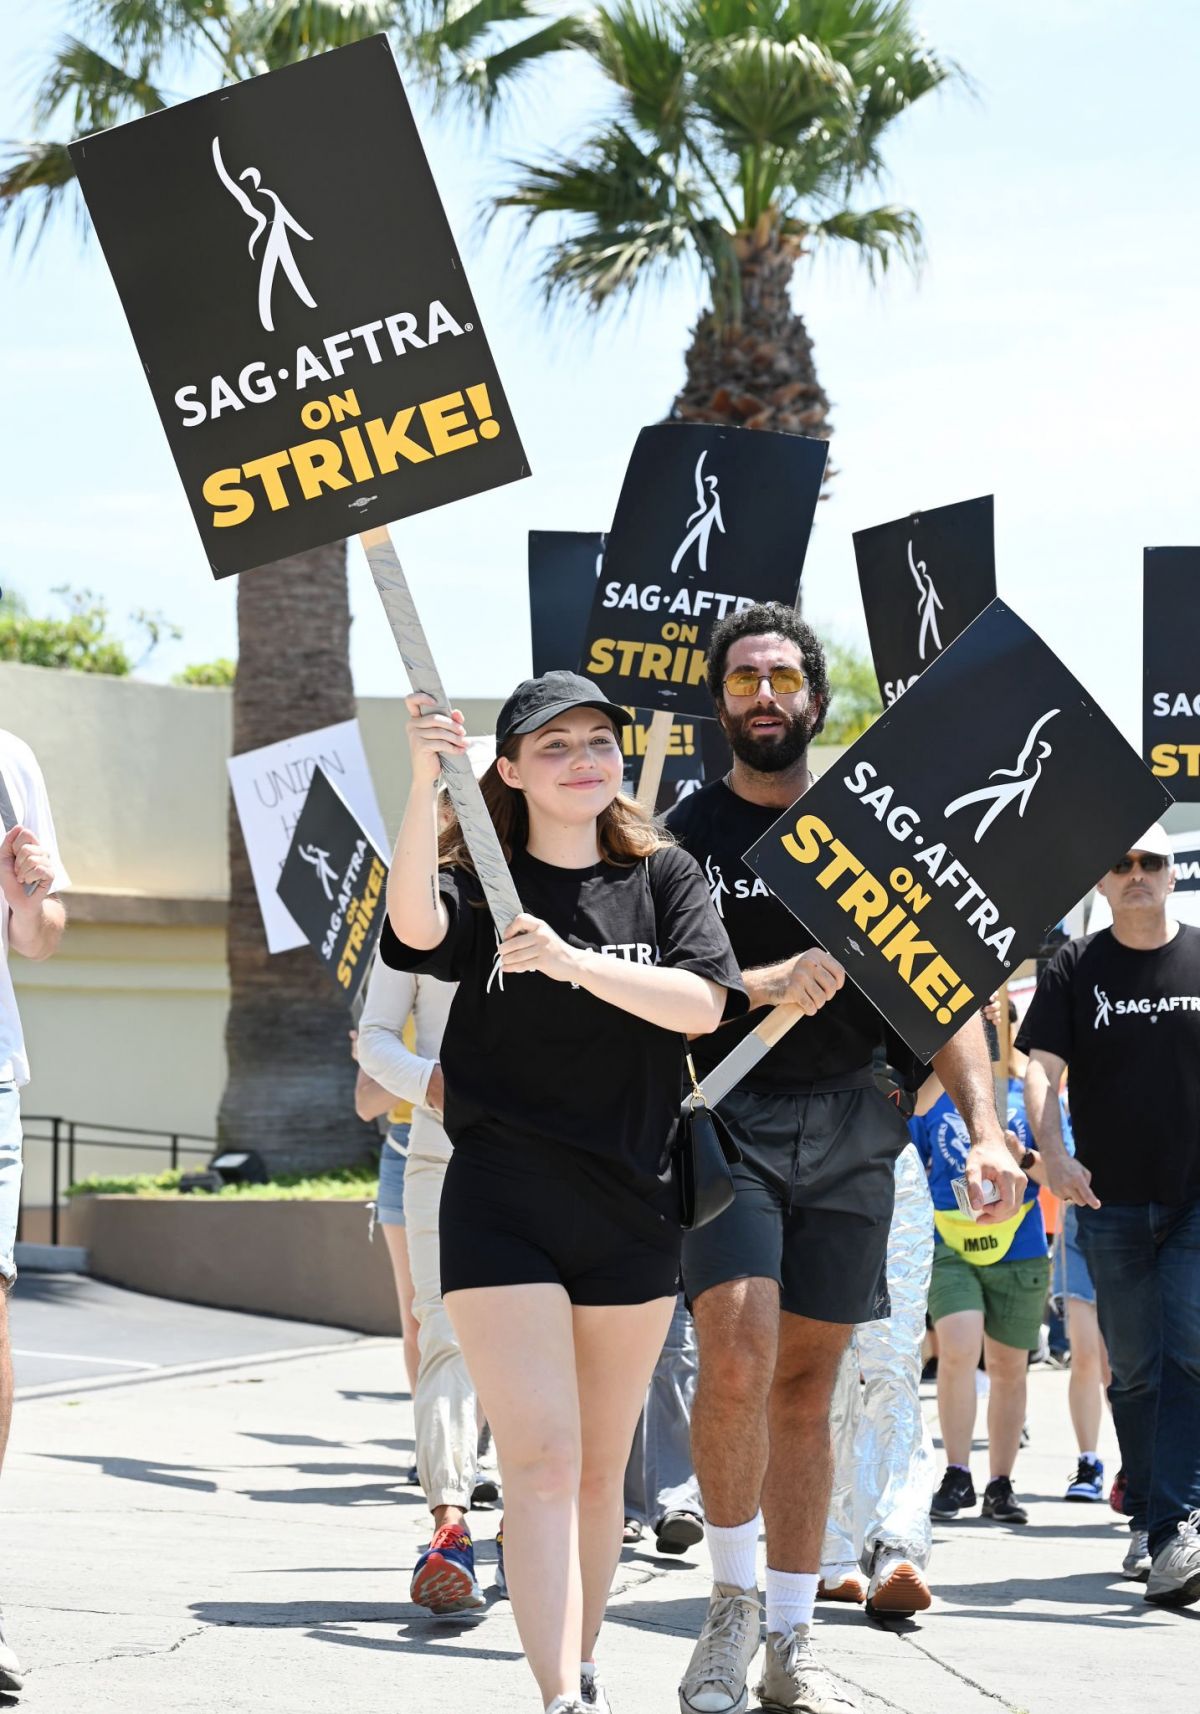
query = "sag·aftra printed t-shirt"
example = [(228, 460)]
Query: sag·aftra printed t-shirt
[(527, 1056), (1127, 1022), (717, 826)]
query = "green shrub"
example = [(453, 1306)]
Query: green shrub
[(213, 675), (348, 1184)]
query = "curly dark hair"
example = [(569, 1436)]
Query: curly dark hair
[(763, 618)]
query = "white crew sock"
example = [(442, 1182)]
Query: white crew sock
[(734, 1553), (791, 1596)]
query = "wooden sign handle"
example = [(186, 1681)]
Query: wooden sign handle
[(463, 787), (654, 760), (742, 1059)]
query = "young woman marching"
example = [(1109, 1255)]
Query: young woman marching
[(562, 1059)]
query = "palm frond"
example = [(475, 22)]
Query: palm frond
[(153, 28), (641, 53), (292, 30), (760, 93), (880, 235), (460, 26), (36, 179), (480, 82), (95, 91), (632, 214)]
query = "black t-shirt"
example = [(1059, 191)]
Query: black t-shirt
[(1127, 1022), (526, 1056), (717, 826)]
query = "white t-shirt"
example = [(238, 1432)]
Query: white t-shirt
[(31, 806)]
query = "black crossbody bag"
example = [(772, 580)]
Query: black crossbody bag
[(702, 1154), (702, 1150)]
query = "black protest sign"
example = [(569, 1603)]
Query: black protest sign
[(563, 566), (709, 521), (333, 882), (299, 306), (1171, 668), (974, 812), (923, 579)]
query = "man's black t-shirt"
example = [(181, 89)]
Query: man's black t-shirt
[(1127, 1022), (527, 1056), (717, 826)]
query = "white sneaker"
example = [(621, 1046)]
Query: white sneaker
[(11, 1675), (897, 1586), (592, 1693), (792, 1679), (715, 1681), (565, 1705), (842, 1583), (1136, 1563), (1175, 1572)]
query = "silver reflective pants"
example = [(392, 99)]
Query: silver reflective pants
[(884, 1476), (659, 1477)]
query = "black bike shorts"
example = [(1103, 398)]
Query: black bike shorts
[(516, 1212)]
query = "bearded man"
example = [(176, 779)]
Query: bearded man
[(778, 1281)]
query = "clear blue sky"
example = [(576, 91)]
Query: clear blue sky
[(1048, 354)]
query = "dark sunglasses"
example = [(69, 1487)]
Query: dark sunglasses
[(784, 681), (1150, 862)]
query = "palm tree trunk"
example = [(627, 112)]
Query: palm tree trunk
[(290, 1089), (758, 371)]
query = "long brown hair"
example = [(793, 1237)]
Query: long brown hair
[(624, 831)]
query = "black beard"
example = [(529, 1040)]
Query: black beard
[(769, 755)]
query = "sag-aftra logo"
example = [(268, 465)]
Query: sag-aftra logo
[(1107, 1009)]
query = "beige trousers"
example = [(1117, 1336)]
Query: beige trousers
[(446, 1424)]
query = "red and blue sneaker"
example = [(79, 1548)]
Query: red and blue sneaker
[(443, 1579)]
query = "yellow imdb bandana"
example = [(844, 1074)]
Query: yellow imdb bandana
[(979, 1245)]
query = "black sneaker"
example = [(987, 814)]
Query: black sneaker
[(1000, 1502), (955, 1494)]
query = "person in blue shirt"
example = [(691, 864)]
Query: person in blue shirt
[(987, 1294)]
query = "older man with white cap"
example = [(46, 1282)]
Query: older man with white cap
[(1122, 1009)]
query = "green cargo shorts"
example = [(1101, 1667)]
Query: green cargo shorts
[(1010, 1295)]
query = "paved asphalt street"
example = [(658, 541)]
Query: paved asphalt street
[(174, 1541), (67, 1328)]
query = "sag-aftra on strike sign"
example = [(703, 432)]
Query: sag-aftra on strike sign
[(973, 813), (300, 307)]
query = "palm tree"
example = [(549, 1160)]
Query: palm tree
[(741, 132), (289, 1092)]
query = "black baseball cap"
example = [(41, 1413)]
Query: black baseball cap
[(537, 701)]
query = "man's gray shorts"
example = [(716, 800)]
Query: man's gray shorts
[(813, 1203)]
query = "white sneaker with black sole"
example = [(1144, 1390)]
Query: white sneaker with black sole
[(715, 1681)]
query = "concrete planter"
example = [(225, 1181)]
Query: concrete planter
[(308, 1261)]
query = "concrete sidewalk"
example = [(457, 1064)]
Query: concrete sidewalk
[(242, 1540)]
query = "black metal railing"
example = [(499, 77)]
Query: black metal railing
[(66, 1138)]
